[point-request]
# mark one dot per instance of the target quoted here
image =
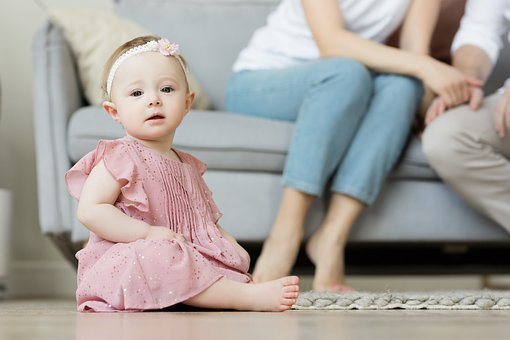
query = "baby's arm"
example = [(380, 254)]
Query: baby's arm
[(97, 212)]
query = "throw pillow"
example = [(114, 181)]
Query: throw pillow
[(93, 36)]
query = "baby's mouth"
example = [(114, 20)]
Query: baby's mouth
[(155, 117)]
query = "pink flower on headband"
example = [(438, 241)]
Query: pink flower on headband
[(168, 48)]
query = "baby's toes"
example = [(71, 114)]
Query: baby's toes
[(291, 289), (287, 303), (291, 294)]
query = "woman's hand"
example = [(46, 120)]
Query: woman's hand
[(163, 233), (438, 105), (436, 108), (449, 83), (502, 114)]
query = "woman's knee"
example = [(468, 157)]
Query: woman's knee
[(353, 69), (396, 100), (349, 74)]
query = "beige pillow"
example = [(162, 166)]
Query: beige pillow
[(93, 36)]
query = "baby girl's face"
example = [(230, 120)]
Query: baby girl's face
[(151, 95)]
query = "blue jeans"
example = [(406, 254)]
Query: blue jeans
[(350, 124)]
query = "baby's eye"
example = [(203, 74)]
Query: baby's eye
[(167, 89), (136, 93)]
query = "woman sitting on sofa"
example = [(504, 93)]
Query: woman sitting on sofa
[(323, 65)]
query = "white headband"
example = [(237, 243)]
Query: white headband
[(162, 46)]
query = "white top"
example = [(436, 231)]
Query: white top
[(286, 39), (482, 25)]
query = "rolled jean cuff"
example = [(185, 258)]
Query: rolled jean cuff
[(305, 187), (361, 195)]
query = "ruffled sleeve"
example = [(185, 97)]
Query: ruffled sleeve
[(200, 166), (75, 178), (118, 159)]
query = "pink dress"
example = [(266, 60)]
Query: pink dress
[(153, 274)]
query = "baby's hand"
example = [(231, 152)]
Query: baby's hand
[(244, 254), (163, 233)]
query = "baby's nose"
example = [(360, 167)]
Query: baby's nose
[(154, 102)]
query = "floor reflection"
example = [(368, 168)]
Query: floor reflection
[(187, 325)]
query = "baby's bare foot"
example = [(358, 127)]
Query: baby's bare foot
[(273, 296)]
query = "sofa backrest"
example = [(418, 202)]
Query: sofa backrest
[(211, 33)]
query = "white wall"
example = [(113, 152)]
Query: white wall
[(36, 267)]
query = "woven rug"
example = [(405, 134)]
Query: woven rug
[(453, 300)]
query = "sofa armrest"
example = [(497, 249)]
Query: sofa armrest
[(57, 95)]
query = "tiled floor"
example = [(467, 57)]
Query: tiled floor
[(57, 319)]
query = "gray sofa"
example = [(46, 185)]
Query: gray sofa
[(245, 155)]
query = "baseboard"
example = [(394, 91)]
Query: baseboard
[(39, 279)]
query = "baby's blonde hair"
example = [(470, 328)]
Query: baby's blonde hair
[(139, 41)]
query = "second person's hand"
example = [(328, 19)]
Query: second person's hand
[(502, 114), (439, 107)]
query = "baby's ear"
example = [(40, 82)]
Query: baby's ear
[(111, 109), (190, 98)]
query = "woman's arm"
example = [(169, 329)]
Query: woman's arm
[(418, 26), (97, 212), (327, 25), (328, 28), (415, 36)]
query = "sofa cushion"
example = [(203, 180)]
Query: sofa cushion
[(423, 211), (413, 164), (222, 140), (225, 141)]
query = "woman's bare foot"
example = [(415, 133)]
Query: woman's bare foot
[(281, 248), (277, 257), (326, 246), (328, 256), (272, 296), (340, 288)]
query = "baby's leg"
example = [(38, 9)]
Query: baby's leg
[(272, 296)]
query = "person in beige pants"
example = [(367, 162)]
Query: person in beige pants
[(469, 145)]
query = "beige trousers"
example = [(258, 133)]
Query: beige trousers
[(465, 150)]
